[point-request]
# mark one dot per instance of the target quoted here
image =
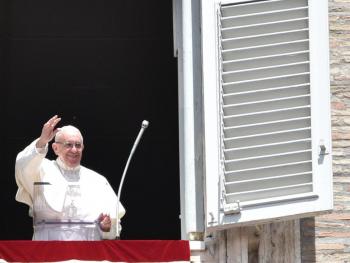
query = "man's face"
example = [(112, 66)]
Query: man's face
[(69, 148)]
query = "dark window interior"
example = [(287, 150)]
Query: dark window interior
[(103, 66)]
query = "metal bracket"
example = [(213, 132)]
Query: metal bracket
[(232, 208), (210, 243), (323, 150), (212, 219)]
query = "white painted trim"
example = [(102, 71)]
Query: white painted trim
[(211, 111), (191, 184), (197, 246)]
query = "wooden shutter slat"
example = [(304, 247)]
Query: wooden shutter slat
[(267, 128), (268, 182), (269, 83), (267, 149), (269, 171), (256, 7), (264, 17), (265, 39), (268, 138), (269, 193)]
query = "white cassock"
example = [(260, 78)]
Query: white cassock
[(72, 199)]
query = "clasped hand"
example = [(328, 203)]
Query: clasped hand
[(104, 222)]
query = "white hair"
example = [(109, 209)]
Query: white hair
[(67, 129)]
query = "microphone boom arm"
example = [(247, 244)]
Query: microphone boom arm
[(137, 140)]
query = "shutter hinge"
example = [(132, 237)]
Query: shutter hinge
[(212, 219), (232, 208)]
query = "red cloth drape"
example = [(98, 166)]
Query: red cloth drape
[(110, 250)]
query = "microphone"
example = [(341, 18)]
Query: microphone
[(137, 140)]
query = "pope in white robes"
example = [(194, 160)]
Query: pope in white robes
[(68, 201)]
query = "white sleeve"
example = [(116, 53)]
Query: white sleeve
[(113, 213), (27, 171)]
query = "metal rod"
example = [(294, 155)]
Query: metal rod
[(138, 138)]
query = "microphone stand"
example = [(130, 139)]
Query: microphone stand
[(138, 138)]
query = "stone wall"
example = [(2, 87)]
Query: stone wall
[(327, 238)]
